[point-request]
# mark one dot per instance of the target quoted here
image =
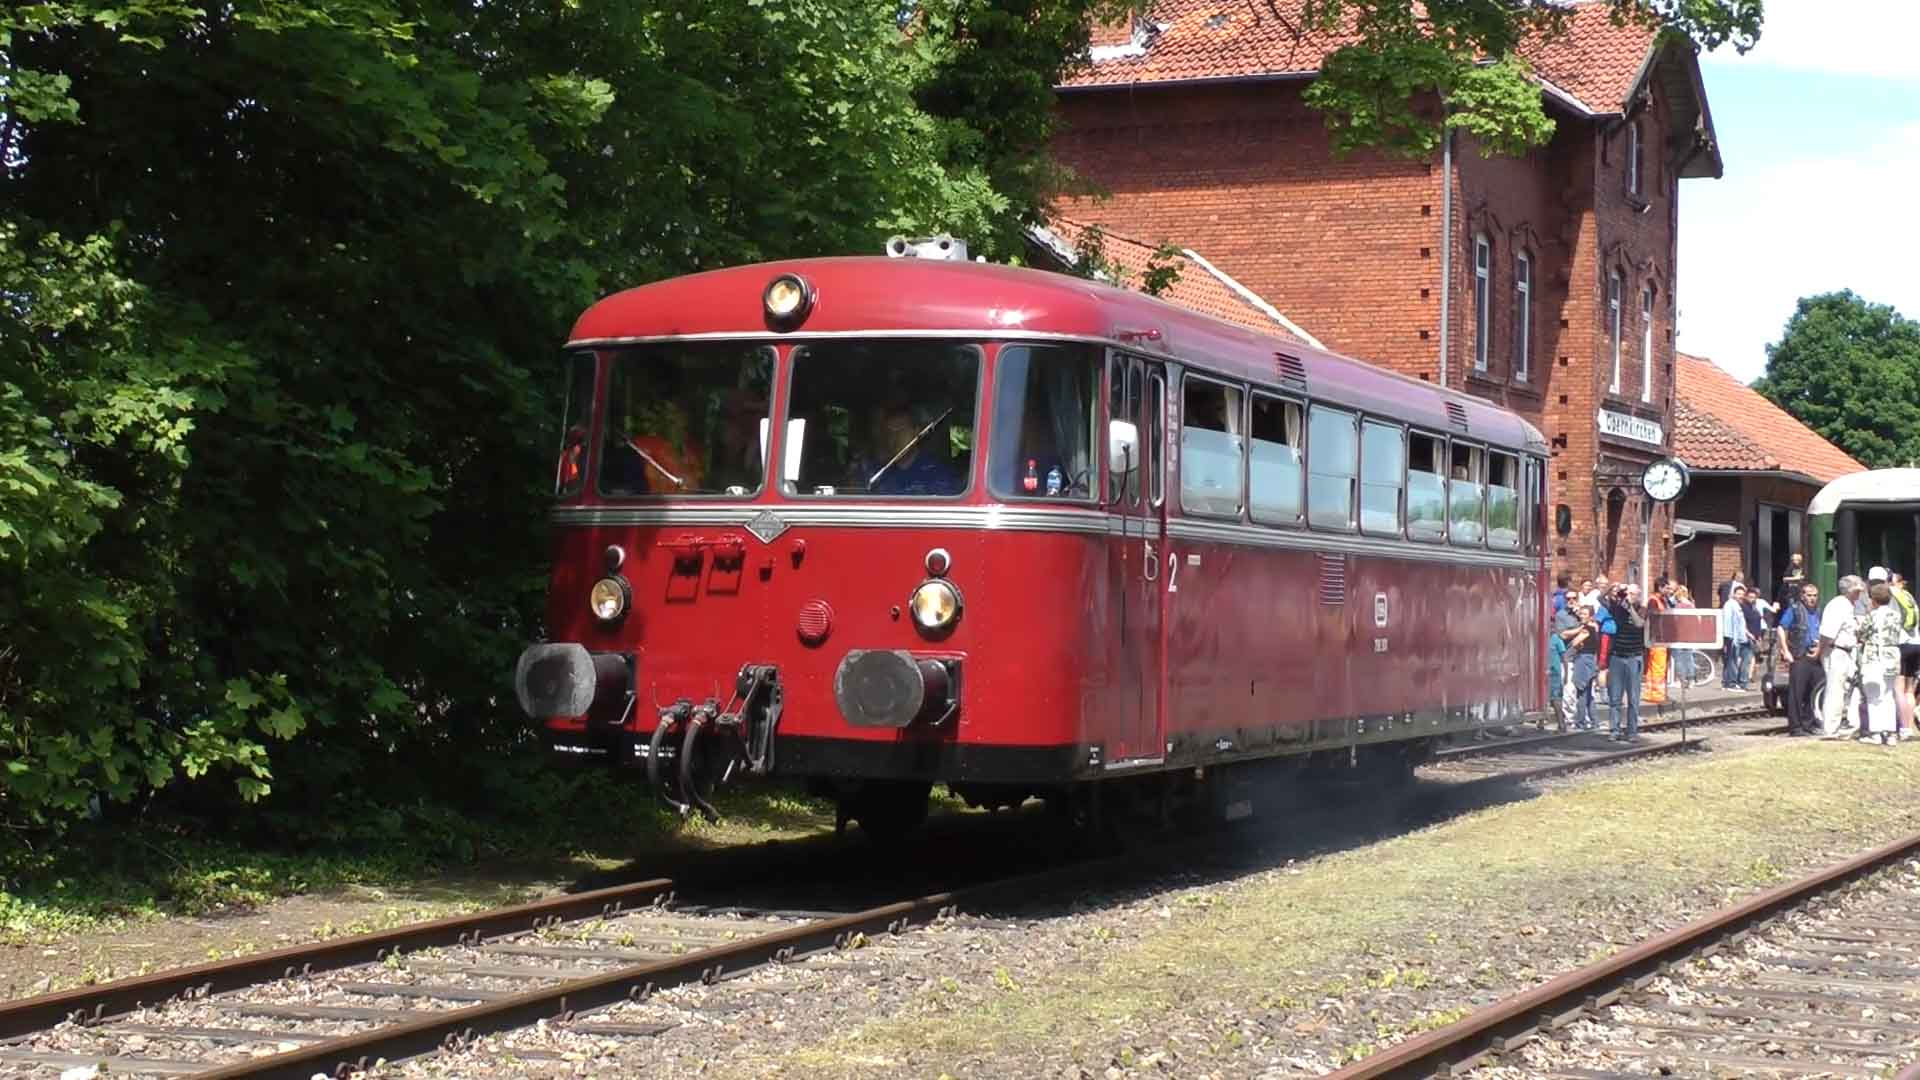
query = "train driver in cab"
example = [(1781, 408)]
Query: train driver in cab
[(909, 452)]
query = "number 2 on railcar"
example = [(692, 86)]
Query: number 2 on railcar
[(875, 524)]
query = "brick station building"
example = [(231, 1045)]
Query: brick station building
[(1755, 469), (1543, 283)]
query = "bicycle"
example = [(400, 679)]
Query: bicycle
[(1694, 670)]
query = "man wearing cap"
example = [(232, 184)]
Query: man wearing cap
[(1839, 638)]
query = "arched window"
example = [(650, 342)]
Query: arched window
[(1646, 343), (1482, 300), (1633, 158), (1613, 327), (1522, 315)]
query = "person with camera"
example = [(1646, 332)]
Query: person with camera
[(1583, 650), (1623, 655)]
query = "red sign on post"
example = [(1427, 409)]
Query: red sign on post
[(1685, 628)]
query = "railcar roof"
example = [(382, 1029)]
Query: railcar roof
[(1873, 485), (877, 295)]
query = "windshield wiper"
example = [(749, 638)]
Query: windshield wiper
[(911, 443), (634, 446)]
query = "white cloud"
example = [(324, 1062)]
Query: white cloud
[(1751, 245), (1874, 38)]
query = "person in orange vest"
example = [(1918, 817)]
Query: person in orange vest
[(1653, 690)]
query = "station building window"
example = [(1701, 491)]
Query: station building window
[(1383, 466), (1522, 315), (1466, 495), (1333, 467), (1275, 461), (1210, 448), (1482, 301), (1426, 487)]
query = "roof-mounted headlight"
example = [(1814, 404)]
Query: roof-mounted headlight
[(788, 300)]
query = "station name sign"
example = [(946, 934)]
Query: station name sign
[(1621, 425)]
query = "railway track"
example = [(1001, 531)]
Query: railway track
[(1535, 756), (340, 1006), (574, 962), (1815, 978)]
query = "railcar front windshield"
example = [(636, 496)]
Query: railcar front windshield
[(881, 418), (1043, 422), (686, 418)]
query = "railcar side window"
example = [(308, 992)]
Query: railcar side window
[(576, 412), (1043, 422), (1210, 447), (1333, 466), (1276, 465), (882, 418), (1156, 438), (1426, 487), (1503, 501), (1123, 403), (1466, 497), (1383, 460), (686, 419)]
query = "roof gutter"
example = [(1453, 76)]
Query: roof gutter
[(1175, 84), (1761, 474)]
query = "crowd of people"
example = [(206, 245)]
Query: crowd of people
[(1862, 647)]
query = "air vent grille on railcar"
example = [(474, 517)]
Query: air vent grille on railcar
[(1333, 579)]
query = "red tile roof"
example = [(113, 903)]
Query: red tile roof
[(1201, 287), (1596, 61), (1721, 423)]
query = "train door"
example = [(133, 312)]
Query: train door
[(1137, 562)]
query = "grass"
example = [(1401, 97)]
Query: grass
[(1598, 856), (106, 876)]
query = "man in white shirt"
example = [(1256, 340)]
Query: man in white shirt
[(1839, 638)]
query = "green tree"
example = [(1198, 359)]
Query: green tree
[(1850, 370), (280, 284), (1377, 91)]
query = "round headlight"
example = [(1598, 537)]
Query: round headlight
[(935, 605), (608, 599), (788, 299)]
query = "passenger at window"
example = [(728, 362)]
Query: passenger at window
[(663, 456)]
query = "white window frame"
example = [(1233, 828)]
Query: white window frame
[(1633, 159), (1613, 324), (1482, 300), (1522, 315), (1646, 343)]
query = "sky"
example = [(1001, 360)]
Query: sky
[(1819, 129)]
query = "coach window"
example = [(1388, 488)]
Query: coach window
[(1043, 422), (1503, 501), (1333, 465), (1426, 487), (1210, 448), (1123, 403), (570, 468), (1466, 498), (1383, 464), (1275, 461)]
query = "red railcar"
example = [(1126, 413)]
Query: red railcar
[(882, 523)]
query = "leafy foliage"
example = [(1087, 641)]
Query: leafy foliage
[(1380, 90), (280, 282), (1850, 370), (1162, 271)]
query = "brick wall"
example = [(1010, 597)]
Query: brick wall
[(1351, 248)]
